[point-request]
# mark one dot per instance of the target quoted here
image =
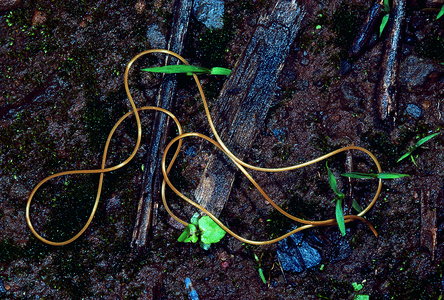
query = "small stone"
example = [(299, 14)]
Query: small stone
[(413, 111), (209, 12), (305, 61), (344, 67), (38, 18)]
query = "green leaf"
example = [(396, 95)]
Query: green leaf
[(360, 175), (193, 234), (173, 69), (419, 143), (340, 216), (387, 6), (261, 274), (220, 71), (210, 231), (383, 23), (356, 206), (371, 175), (357, 286), (441, 13), (333, 183), (189, 234), (391, 175), (184, 235)]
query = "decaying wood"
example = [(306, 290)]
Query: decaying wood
[(242, 106), (150, 187), (430, 194), (386, 90), (367, 29)]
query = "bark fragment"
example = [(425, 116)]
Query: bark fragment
[(150, 188), (244, 101), (386, 88)]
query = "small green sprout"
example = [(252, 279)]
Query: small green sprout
[(174, 69), (339, 198), (385, 17), (419, 143), (441, 13), (205, 228), (357, 287), (261, 272)]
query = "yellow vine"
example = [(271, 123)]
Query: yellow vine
[(165, 170)]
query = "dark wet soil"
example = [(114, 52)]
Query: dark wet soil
[(61, 82)]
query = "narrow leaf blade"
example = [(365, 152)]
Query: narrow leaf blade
[(356, 206), (173, 69), (441, 13), (383, 23), (333, 183), (391, 175), (419, 143), (220, 71), (425, 139), (360, 175), (340, 217)]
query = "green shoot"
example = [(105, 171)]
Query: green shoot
[(261, 272), (356, 206), (419, 143), (174, 69), (339, 197), (371, 176), (441, 13), (208, 230), (357, 286), (383, 23), (385, 17), (340, 216)]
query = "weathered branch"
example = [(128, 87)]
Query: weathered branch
[(386, 88), (149, 192), (242, 106)]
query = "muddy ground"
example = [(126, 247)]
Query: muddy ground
[(62, 65)]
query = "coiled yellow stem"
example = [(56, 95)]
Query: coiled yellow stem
[(165, 170)]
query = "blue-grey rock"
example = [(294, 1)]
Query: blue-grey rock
[(209, 12), (414, 111), (296, 254)]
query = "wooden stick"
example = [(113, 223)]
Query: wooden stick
[(150, 187), (386, 89), (240, 111)]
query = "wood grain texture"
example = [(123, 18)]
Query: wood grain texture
[(243, 104)]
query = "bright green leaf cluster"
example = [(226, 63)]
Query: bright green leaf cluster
[(208, 230), (175, 69)]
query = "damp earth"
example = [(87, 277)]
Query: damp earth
[(61, 83)]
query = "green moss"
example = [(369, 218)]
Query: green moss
[(432, 47)]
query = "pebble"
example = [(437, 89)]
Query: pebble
[(413, 111), (209, 12)]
